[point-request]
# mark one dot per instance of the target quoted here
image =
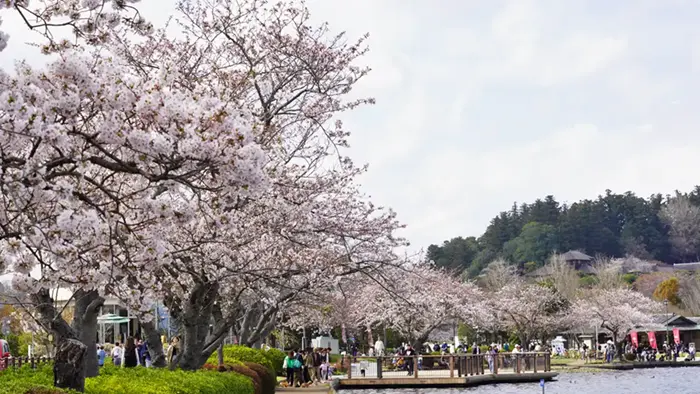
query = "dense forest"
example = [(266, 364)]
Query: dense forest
[(662, 228)]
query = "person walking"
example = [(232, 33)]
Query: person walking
[(117, 354)]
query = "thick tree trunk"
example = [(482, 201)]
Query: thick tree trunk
[(199, 341), (87, 309), (155, 345), (256, 325), (69, 367)]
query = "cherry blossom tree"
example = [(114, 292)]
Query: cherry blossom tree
[(91, 21), (532, 311), (616, 310), (98, 165), (295, 78), (417, 300)]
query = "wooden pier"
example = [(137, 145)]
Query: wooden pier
[(460, 370)]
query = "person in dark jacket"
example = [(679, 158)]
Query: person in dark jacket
[(131, 358)]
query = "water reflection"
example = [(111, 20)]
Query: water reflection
[(638, 381)]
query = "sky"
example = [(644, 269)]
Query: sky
[(484, 103)]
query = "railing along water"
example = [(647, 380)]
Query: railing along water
[(446, 366)]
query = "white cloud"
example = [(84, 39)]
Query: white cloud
[(484, 103)]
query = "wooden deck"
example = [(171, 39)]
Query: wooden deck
[(393, 381)]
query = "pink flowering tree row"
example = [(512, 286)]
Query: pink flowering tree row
[(206, 172)]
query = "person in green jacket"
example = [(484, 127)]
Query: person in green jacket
[(288, 367)]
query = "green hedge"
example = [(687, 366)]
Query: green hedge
[(276, 357), (113, 380), (22, 380), (234, 353)]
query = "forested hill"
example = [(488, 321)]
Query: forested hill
[(664, 228)]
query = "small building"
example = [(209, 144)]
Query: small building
[(579, 261), (688, 327)]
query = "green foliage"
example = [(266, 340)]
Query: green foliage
[(13, 342), (588, 280), (613, 225), (629, 278), (276, 357), (239, 353), (113, 380)]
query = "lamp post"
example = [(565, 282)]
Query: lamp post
[(668, 343)]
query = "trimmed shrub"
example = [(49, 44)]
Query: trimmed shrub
[(269, 380), (113, 380), (254, 377), (244, 354), (276, 357)]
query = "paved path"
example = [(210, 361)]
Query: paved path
[(320, 389)]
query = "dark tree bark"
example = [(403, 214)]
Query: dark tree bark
[(87, 309), (155, 345), (69, 367), (199, 340)]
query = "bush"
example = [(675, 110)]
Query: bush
[(630, 356), (276, 357), (235, 353), (269, 379), (113, 380), (26, 380), (245, 371)]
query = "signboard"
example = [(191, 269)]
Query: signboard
[(541, 382), (652, 339), (676, 336), (634, 339)]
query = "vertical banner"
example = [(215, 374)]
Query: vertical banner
[(652, 339), (676, 336), (634, 338)]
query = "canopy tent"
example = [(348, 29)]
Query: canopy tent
[(111, 318)]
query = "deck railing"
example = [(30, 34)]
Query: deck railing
[(18, 362), (446, 366)]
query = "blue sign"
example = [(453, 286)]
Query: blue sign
[(541, 382)]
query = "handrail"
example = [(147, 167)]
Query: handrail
[(447, 365)]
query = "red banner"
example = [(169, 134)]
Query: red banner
[(652, 339), (635, 340), (676, 335)]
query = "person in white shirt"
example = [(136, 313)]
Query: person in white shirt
[(379, 347), (117, 354)]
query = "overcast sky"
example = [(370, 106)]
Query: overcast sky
[(483, 103)]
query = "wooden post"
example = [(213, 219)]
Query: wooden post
[(496, 357), (452, 366), (534, 367), (415, 367), (349, 367), (379, 367)]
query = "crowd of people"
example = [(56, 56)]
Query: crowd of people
[(307, 367), (134, 352)]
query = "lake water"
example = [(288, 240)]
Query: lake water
[(638, 381)]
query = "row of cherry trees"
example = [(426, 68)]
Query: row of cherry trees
[(419, 301), (206, 172)]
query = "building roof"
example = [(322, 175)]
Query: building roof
[(575, 255), (687, 266)]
